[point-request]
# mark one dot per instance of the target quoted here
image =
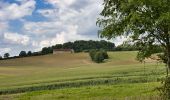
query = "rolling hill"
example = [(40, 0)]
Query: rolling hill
[(46, 74)]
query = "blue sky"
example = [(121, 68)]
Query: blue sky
[(34, 24)]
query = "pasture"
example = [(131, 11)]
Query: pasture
[(75, 77)]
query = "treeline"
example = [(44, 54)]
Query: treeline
[(78, 46), (21, 55), (81, 46), (126, 46)]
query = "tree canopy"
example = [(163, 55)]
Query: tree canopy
[(6, 55), (23, 54), (146, 22)]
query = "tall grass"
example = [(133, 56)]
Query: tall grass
[(80, 83)]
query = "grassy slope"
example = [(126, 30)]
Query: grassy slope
[(52, 69)]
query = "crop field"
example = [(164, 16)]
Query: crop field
[(76, 77)]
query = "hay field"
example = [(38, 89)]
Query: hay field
[(75, 77)]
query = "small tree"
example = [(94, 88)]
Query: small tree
[(29, 53), (23, 54), (1, 58), (98, 56), (6, 55)]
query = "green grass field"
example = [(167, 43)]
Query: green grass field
[(75, 77)]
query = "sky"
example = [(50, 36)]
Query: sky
[(30, 25)]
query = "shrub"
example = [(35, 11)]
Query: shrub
[(105, 55), (92, 54), (98, 56)]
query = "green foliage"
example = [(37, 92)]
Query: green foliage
[(22, 54), (29, 53), (81, 45), (146, 22), (165, 89), (1, 58), (98, 56), (126, 46), (92, 54), (163, 57), (6, 55), (104, 53), (147, 49), (47, 50)]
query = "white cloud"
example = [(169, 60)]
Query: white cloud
[(3, 27), (15, 38), (42, 27), (49, 13), (4, 50), (65, 23), (16, 11), (69, 35), (61, 3)]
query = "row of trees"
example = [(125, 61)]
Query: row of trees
[(81, 46), (78, 46), (129, 46)]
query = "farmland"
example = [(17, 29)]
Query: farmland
[(75, 76)]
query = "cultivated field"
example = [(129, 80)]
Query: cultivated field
[(76, 77)]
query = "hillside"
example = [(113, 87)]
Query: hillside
[(67, 59), (58, 60), (43, 72)]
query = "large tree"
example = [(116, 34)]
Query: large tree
[(146, 22)]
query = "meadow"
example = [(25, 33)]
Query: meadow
[(76, 77)]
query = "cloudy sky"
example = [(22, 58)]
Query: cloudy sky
[(33, 24)]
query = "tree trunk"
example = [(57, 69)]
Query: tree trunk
[(168, 64)]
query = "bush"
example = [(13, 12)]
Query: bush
[(104, 53), (98, 56), (92, 54)]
